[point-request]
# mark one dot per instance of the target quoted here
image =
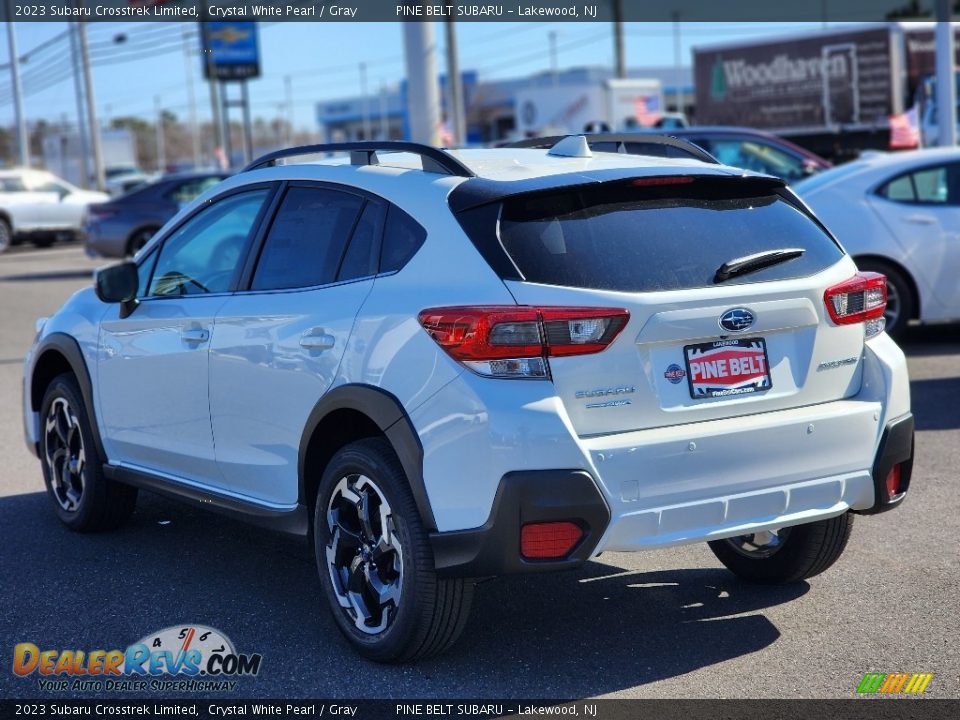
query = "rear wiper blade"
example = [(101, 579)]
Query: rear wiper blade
[(757, 261)]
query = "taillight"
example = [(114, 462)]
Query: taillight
[(861, 299), (512, 341)]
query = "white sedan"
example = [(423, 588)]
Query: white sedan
[(38, 205), (898, 214)]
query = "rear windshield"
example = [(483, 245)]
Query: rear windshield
[(625, 237)]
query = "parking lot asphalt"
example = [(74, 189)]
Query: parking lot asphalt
[(671, 623)]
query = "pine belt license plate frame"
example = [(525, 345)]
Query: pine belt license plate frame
[(755, 379)]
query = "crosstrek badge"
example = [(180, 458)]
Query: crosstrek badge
[(727, 367)]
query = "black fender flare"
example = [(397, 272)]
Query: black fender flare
[(69, 348), (388, 413)]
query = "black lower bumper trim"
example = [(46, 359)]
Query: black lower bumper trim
[(896, 447), (524, 497)]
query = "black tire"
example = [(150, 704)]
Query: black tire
[(900, 295), (100, 504), (43, 241), (139, 239), (6, 235), (805, 551), (431, 611)]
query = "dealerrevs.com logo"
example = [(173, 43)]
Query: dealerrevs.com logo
[(179, 658)]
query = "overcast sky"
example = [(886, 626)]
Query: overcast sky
[(322, 59)]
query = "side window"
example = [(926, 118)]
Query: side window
[(361, 259), (401, 240), (12, 184), (307, 239), (202, 256), (186, 191), (758, 157), (929, 186)]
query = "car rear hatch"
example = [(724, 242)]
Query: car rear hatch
[(709, 334)]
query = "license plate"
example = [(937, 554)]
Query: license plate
[(727, 368)]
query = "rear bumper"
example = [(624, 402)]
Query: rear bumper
[(896, 448), (525, 497), (549, 495)]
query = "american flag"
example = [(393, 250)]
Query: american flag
[(647, 109), (904, 130)]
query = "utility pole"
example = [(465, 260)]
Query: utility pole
[(620, 62), (384, 120), (23, 138), (946, 84), (365, 99), (247, 127), (423, 107), (455, 108), (81, 110), (191, 99), (161, 140), (288, 92), (677, 63), (554, 70), (99, 180), (219, 141)]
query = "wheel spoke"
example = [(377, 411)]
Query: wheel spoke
[(363, 512), (385, 592)]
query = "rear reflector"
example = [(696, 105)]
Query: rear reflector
[(515, 341), (549, 540), (861, 299), (893, 482)]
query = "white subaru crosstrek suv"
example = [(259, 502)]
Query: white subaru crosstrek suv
[(444, 366)]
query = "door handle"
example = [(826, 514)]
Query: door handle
[(194, 335), (919, 220), (317, 339)]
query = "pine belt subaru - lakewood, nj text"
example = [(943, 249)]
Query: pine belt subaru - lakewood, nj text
[(449, 365)]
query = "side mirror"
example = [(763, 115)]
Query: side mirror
[(117, 283)]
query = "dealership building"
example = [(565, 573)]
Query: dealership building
[(493, 108)]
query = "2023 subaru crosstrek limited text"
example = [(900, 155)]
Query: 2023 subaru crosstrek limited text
[(444, 366)]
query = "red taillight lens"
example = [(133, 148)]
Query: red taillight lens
[(514, 341), (549, 540), (893, 482), (861, 299)]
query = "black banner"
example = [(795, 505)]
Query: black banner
[(513, 11), (854, 709)]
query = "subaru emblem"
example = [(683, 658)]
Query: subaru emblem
[(737, 320)]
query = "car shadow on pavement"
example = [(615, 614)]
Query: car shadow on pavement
[(583, 633), (939, 399), (933, 339)]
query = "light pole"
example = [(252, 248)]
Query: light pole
[(365, 100), (423, 106), (23, 139), (81, 110), (191, 99), (161, 140), (98, 174), (458, 124)]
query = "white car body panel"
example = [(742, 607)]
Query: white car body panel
[(35, 211), (154, 386), (922, 238), (264, 382)]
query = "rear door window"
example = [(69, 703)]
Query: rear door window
[(307, 239), (619, 236)]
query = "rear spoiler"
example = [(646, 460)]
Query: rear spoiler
[(479, 191)]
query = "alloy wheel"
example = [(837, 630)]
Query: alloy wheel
[(364, 555), (892, 311), (65, 454), (760, 544)]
